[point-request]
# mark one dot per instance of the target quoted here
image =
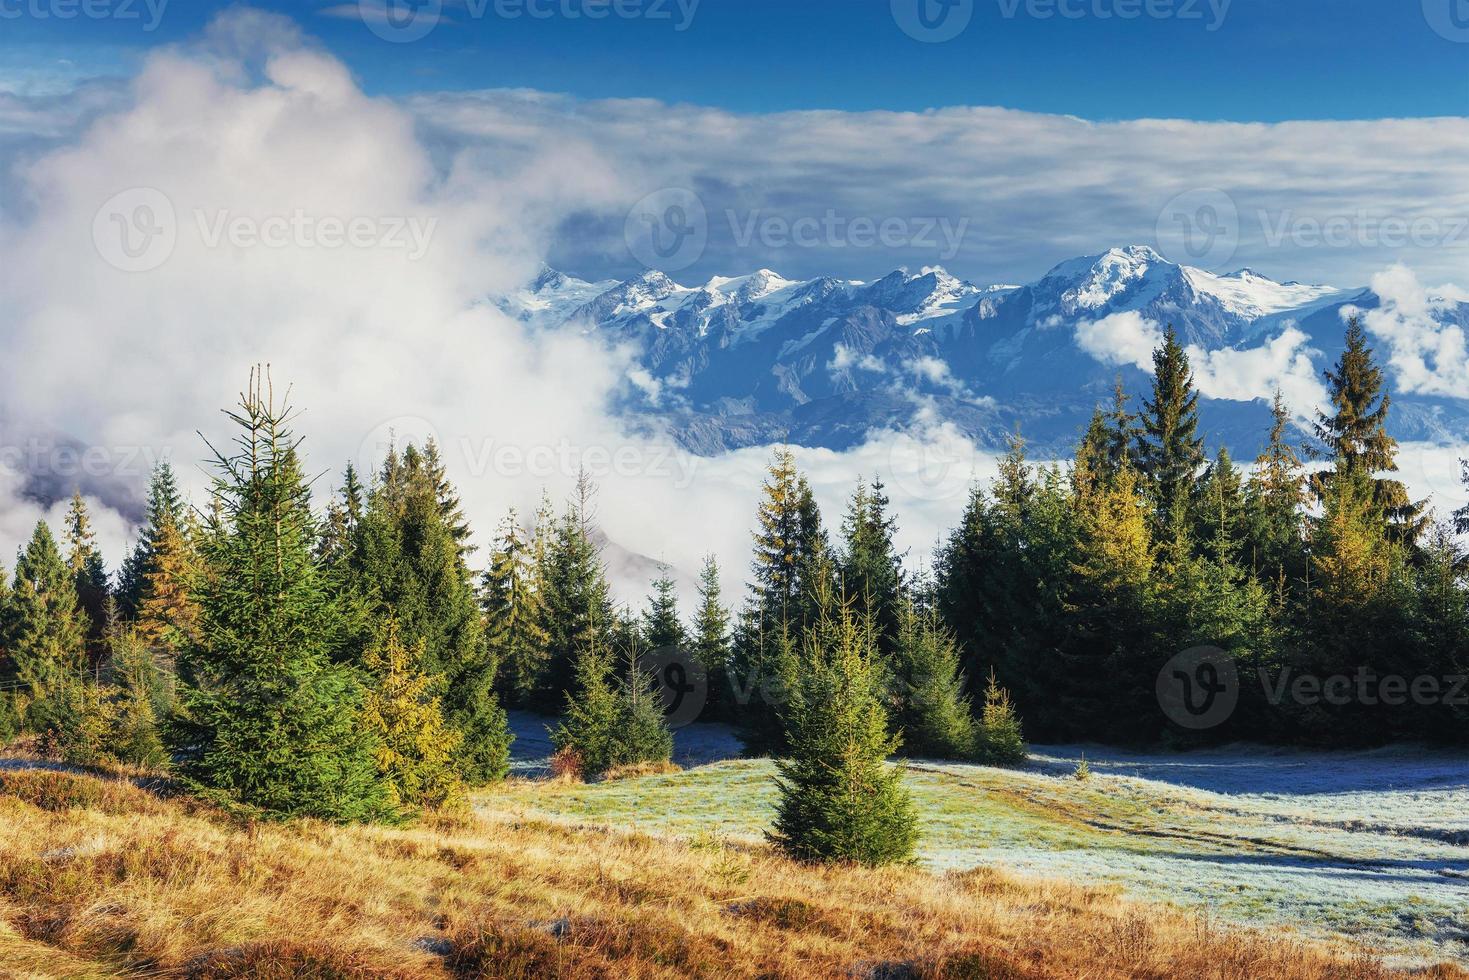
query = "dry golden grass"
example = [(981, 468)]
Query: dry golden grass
[(100, 878)]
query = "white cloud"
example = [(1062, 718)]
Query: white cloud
[(1426, 356), (256, 121), (844, 357), (1121, 338), (1282, 363), (1038, 187)]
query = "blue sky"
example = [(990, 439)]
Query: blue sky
[(1245, 60)]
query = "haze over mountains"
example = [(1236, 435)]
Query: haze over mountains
[(760, 359)]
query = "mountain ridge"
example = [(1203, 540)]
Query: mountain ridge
[(753, 359)]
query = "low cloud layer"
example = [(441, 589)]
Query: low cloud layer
[(1427, 356), (246, 203), (1282, 363), (1328, 201), (242, 201)]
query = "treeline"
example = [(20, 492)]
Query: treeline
[(1339, 601), (354, 659)]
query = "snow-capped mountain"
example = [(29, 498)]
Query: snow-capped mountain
[(759, 358)]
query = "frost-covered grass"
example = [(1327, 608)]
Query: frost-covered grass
[(1368, 844)]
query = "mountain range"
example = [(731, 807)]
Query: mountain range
[(758, 359)]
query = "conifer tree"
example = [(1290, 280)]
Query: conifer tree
[(1108, 652), (788, 541), (1111, 437), (1219, 510), (1354, 433), (578, 597), (661, 626), (711, 640), (840, 800), (89, 573), (164, 504), (1275, 502), (407, 564), (1352, 558), (1170, 451), (268, 719), (168, 614), (870, 567), (932, 713), (46, 635), (588, 726), (1361, 602), (1461, 518), (143, 699), (790, 569), (1003, 576), (416, 747), (515, 613), (343, 515), (450, 508), (1001, 741), (642, 734)]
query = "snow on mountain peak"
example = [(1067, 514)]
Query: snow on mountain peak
[(1251, 295), (1093, 281)]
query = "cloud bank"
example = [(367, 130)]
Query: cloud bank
[(242, 204)]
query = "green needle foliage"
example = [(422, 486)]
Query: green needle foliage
[(269, 719), (840, 800)]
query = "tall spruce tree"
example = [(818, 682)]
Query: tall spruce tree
[(515, 613), (1275, 502), (1461, 518), (1354, 432), (1003, 577), (268, 719), (711, 641), (416, 748), (931, 711), (661, 626), (1219, 510), (46, 635), (1109, 648), (343, 515), (450, 507), (165, 503), (89, 573), (579, 613), (840, 800), (1170, 450), (409, 566), (168, 614), (792, 579), (870, 567)]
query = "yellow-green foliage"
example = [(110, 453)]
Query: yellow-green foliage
[(415, 745)]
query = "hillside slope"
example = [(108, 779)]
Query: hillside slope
[(101, 878)]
